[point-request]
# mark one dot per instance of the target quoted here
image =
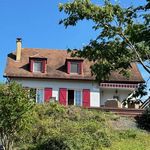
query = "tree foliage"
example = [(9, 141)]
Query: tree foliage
[(141, 91), (15, 106), (124, 35), (144, 120)]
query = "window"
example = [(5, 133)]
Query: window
[(78, 100), (33, 93), (37, 66), (40, 96), (74, 97), (74, 67)]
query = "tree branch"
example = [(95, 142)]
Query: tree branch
[(137, 54)]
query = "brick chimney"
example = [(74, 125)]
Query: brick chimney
[(18, 49)]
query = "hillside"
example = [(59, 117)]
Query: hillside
[(55, 127)]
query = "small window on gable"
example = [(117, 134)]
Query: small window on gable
[(74, 67), (37, 66)]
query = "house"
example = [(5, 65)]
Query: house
[(55, 75)]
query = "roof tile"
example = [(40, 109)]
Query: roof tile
[(56, 60)]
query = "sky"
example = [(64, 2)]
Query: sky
[(37, 23)]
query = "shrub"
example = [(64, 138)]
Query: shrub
[(127, 134), (143, 121), (15, 113), (66, 128), (53, 144)]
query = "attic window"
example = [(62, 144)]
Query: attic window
[(74, 67), (37, 66)]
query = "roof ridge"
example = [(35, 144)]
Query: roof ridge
[(25, 48)]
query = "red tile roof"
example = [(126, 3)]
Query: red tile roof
[(56, 67)]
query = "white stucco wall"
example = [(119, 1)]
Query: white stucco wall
[(98, 96), (109, 93), (56, 84)]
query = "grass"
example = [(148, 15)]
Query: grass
[(76, 128), (128, 136), (140, 142)]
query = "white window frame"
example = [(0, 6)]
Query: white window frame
[(37, 95), (37, 61), (74, 102), (80, 97)]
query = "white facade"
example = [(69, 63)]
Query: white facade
[(70, 85), (98, 96)]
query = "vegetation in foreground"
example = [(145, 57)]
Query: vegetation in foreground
[(58, 128), (15, 108), (25, 125)]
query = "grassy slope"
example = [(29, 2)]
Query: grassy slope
[(140, 142), (127, 136), (78, 128)]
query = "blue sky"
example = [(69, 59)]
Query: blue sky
[(36, 22)]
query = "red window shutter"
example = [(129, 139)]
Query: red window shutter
[(80, 67), (43, 66), (47, 94), (63, 96), (31, 65), (86, 98), (68, 67)]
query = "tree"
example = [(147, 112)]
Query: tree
[(15, 106), (124, 35), (143, 121)]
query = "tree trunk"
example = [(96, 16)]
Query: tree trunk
[(7, 143)]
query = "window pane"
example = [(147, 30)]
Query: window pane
[(78, 98), (40, 96), (37, 66), (74, 67)]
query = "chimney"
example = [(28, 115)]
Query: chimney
[(18, 48)]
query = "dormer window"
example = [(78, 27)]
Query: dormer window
[(74, 66), (37, 66)]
